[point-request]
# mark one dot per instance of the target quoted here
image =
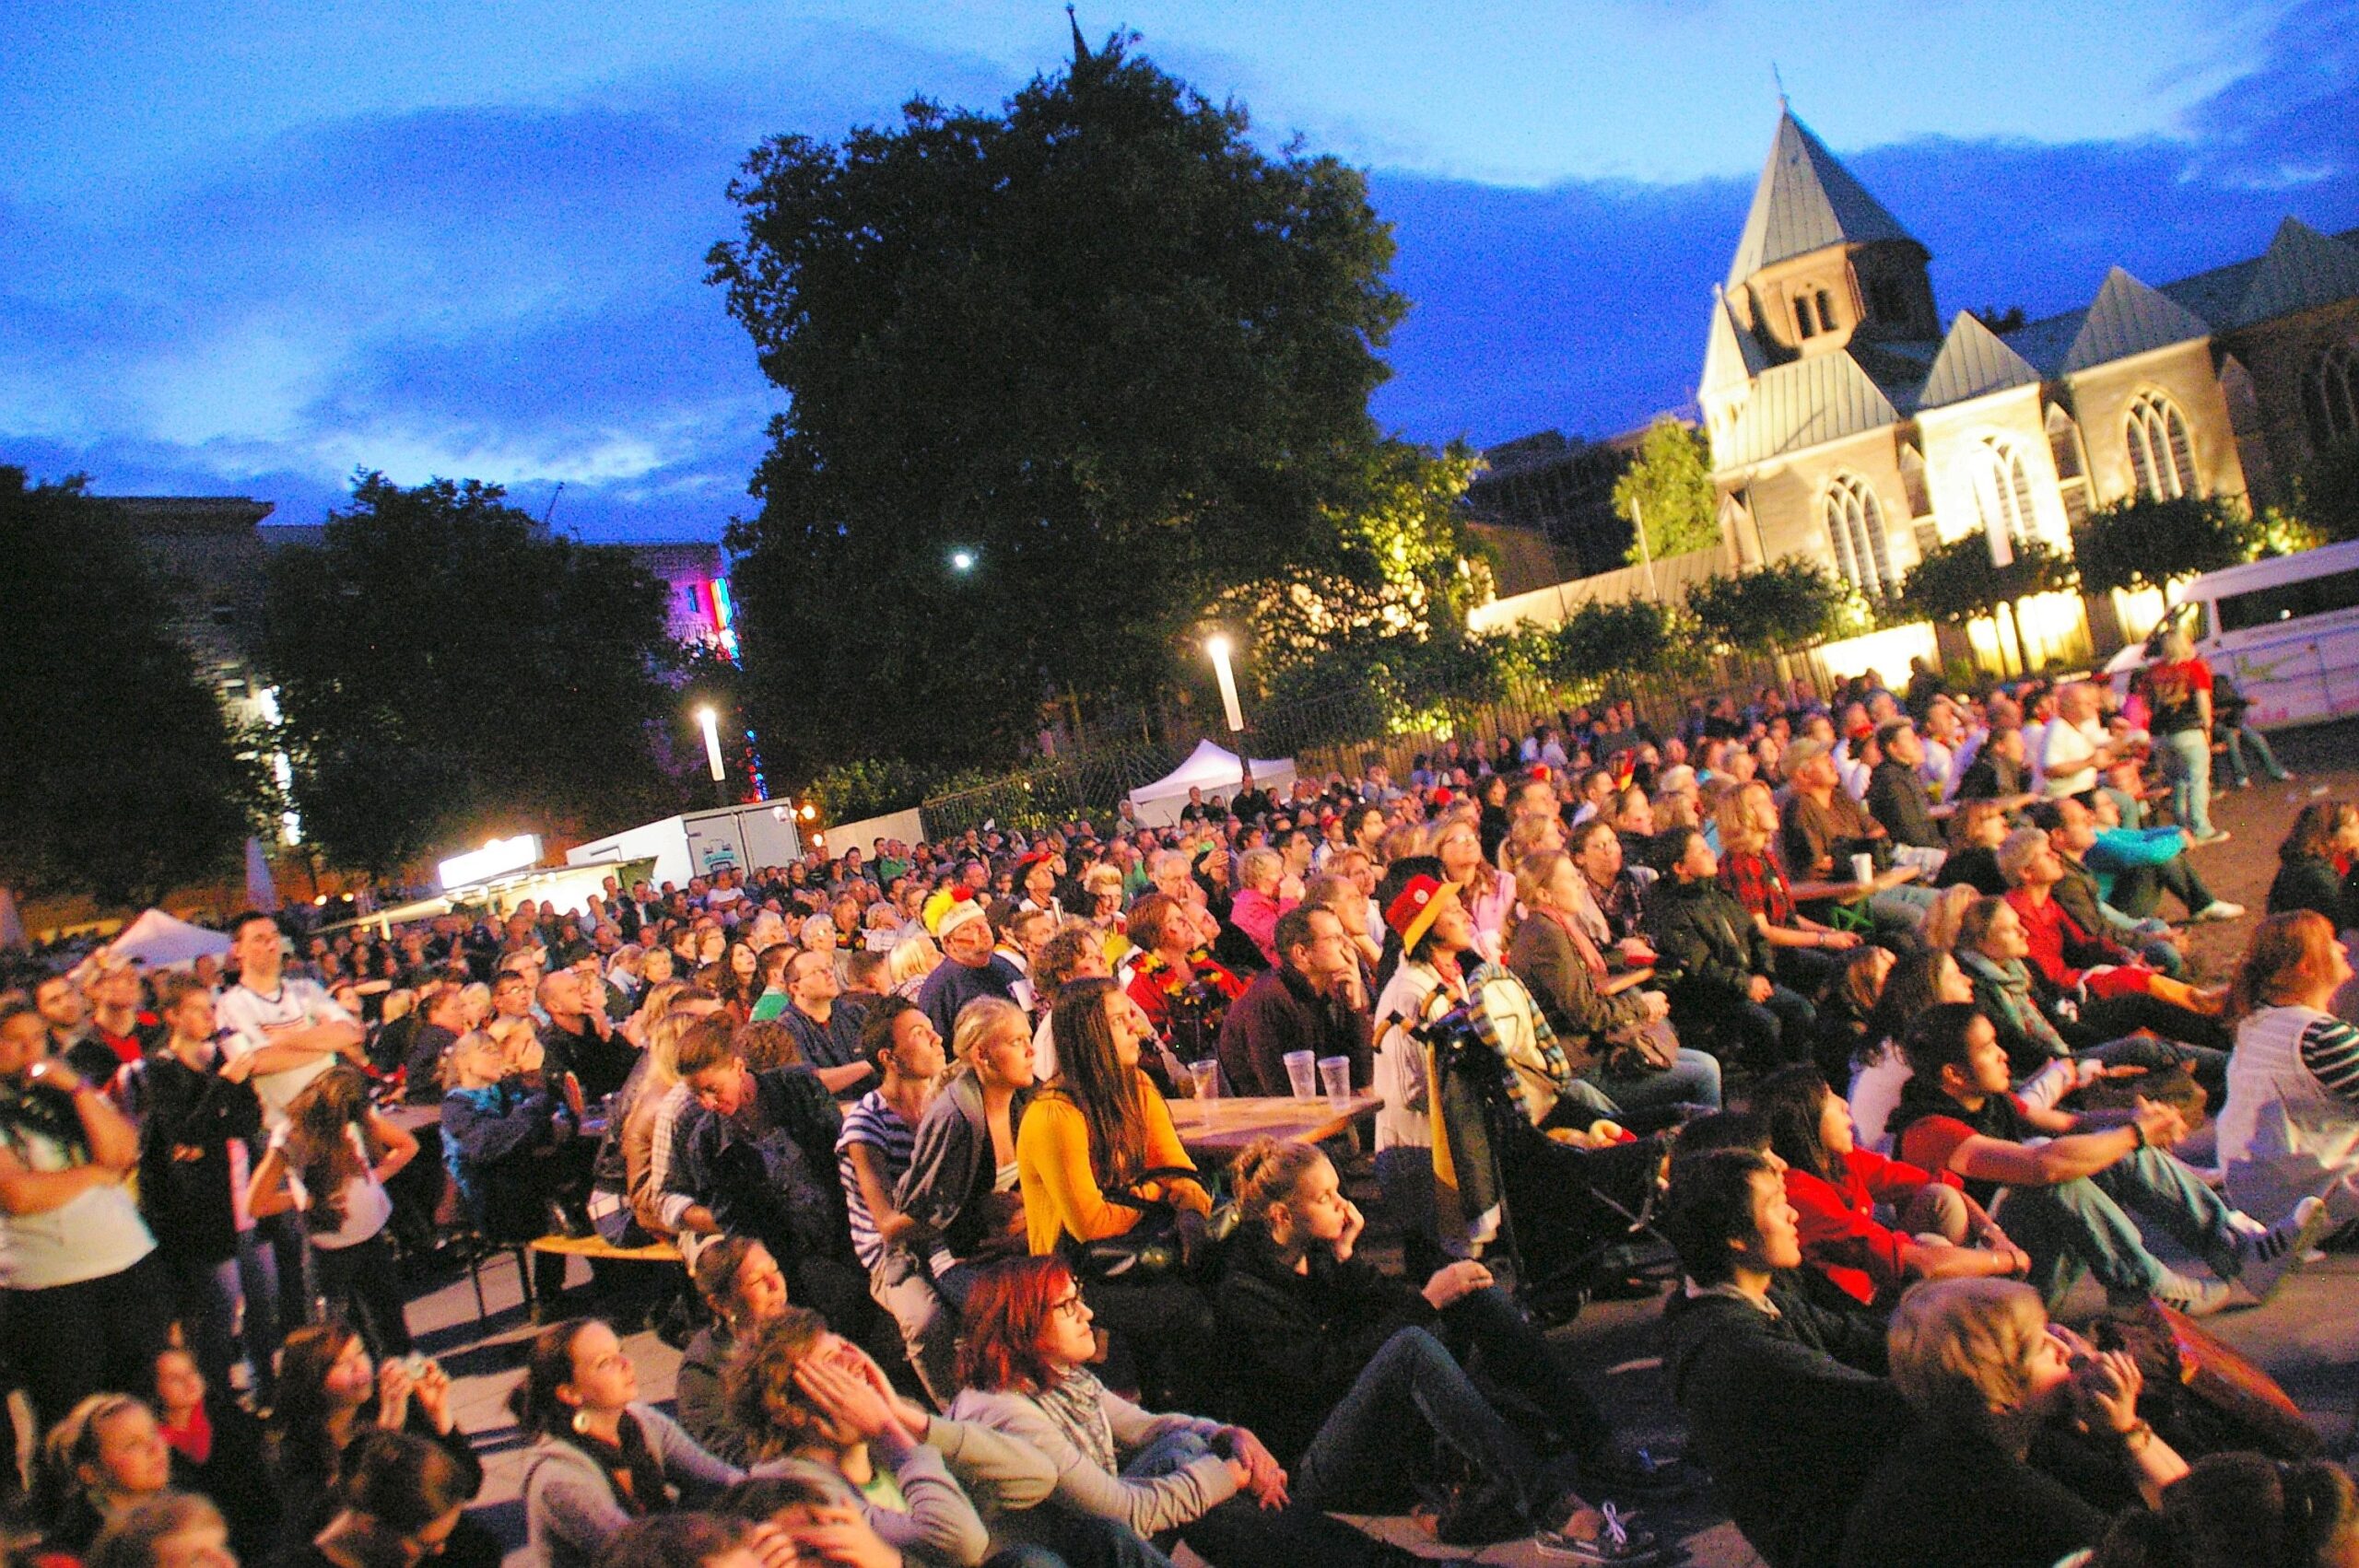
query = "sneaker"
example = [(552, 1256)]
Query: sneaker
[(1615, 1541), (2217, 836), (2282, 1247), (2195, 1298), (1641, 1473), (2219, 909)]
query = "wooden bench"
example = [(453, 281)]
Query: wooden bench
[(594, 1248)]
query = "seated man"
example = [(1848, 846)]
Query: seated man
[(1716, 962), (2071, 830), (2001, 770), (1786, 1400), (1312, 1001), (1822, 827), (1898, 799), (754, 1155), (2066, 1200), (2135, 866)]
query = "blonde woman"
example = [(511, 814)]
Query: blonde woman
[(1748, 825), (2178, 687), (1485, 893), (912, 959), (1266, 891)]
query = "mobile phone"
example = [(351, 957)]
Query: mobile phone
[(415, 1365)]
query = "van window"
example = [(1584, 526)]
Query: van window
[(2290, 602)]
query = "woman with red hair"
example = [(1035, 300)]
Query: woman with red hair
[(1025, 1362)]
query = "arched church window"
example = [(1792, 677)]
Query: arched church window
[(2001, 491), (2330, 396), (2161, 459), (2072, 473), (1855, 530)]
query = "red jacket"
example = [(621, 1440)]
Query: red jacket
[(2060, 948), (1841, 1236)]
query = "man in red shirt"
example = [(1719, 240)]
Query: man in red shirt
[(2068, 1200)]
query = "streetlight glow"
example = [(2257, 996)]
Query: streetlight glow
[(1217, 646), (710, 723), (962, 560)]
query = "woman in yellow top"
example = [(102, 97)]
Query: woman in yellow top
[(1093, 1130)]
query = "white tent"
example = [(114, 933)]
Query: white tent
[(160, 941), (1213, 770)]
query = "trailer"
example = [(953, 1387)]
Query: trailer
[(695, 844)]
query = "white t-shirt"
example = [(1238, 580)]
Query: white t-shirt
[(249, 1022), (89, 1236), (367, 1205), (2067, 759)]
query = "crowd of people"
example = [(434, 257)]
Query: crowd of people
[(1867, 1008)]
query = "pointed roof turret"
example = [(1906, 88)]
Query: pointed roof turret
[(1732, 357), (1973, 361), (1080, 44), (2129, 317), (2302, 269), (1806, 201)]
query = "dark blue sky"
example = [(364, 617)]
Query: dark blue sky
[(243, 251)]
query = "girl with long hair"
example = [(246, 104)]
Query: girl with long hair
[(745, 1288), (400, 1503), (1098, 1129), (107, 1456), (2316, 865), (600, 1458), (331, 1161), (216, 1450), (1488, 893)]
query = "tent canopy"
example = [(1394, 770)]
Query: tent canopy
[(1215, 771), (160, 941)]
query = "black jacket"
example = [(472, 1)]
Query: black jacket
[(2310, 882), (1295, 1343), (1710, 947), (187, 1201), (1896, 799), (1790, 1414)]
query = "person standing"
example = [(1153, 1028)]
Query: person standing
[(2179, 688), (87, 1298)]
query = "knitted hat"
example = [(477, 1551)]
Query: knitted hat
[(962, 909), (1413, 911)]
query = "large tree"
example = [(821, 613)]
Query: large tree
[(446, 668), (118, 774), (2141, 542), (1959, 582), (1669, 488), (1061, 378)]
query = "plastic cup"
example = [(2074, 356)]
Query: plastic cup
[(1302, 1072), (1863, 867), (1335, 1076), (1205, 1075)]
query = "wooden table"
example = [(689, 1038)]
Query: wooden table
[(1219, 1129), (1849, 892)]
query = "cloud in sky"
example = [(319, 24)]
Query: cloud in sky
[(502, 276)]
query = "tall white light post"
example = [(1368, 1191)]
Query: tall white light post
[(710, 724), (1217, 646)]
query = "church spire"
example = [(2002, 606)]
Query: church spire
[(1080, 46), (1806, 201)]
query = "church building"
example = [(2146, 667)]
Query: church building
[(1849, 426)]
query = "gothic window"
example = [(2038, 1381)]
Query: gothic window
[(1825, 311), (1801, 316), (2330, 396), (1855, 530), (1912, 481), (2072, 473), (2160, 458), (2001, 493)]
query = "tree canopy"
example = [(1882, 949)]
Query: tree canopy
[(1783, 607), (119, 776), (1670, 484), (446, 668), (1095, 345), (2143, 542)]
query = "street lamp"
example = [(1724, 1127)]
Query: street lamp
[(710, 723), (962, 560), (1217, 646)]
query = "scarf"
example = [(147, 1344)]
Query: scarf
[(192, 1442), (629, 1466), (1577, 934), (1075, 1404)]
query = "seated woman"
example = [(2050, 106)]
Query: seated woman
[(1975, 832), (330, 1398), (500, 1141), (2315, 865), (745, 1289), (1718, 961), (1552, 953), (106, 1457), (1025, 1359), (2236, 1510), (1087, 1140), (1917, 981), (1804, 948), (1351, 1376), (1987, 1478), (400, 1502), (599, 1459), (962, 1188), (1869, 1226), (217, 1452), (814, 1407), (2290, 1129), (1846, 1013), (174, 1531)]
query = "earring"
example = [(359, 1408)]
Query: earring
[(581, 1422)]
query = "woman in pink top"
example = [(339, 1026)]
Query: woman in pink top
[(1488, 893)]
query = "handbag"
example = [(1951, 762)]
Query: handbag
[(1149, 1249)]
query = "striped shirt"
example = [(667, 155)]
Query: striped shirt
[(878, 1125), (2330, 1050)]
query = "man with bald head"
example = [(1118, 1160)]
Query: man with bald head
[(579, 1038)]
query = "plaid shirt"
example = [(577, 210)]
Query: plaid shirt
[(1756, 882)]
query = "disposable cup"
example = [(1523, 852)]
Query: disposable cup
[(1206, 1077), (1302, 1072), (1335, 1076), (1863, 867)]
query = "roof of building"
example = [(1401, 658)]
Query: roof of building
[(1806, 201), (1732, 356), (189, 514), (1973, 361), (2301, 270), (1823, 398), (2127, 318)]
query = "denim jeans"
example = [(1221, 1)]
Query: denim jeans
[(1516, 1355), (2138, 891), (929, 1324), (2236, 738), (1781, 1029), (1696, 1080), (1380, 1435), (258, 1281), (2189, 754), (2085, 1223), (1240, 1533)]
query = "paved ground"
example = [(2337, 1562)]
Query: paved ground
[(2308, 1337)]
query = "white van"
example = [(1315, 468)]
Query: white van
[(2285, 629)]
